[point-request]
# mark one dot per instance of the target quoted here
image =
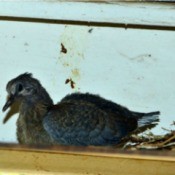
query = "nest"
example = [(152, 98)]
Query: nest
[(149, 141)]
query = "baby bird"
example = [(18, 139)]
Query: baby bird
[(78, 119)]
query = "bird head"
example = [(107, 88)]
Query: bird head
[(22, 87)]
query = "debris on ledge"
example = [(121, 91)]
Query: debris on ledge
[(150, 141)]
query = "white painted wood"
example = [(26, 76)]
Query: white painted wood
[(132, 67), (83, 161), (125, 13)]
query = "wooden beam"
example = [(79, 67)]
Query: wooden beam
[(67, 160), (153, 14), (110, 1)]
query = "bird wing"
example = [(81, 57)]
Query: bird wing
[(82, 124)]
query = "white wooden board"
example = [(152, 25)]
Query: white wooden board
[(125, 13), (133, 67)]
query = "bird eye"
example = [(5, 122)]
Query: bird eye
[(20, 87)]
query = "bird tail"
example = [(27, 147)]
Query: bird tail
[(147, 120)]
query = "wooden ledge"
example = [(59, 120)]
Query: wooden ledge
[(84, 160)]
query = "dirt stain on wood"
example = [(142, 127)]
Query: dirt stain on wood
[(63, 49), (71, 82), (75, 72)]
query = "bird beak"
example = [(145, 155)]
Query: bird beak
[(9, 102)]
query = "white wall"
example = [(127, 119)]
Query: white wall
[(133, 67)]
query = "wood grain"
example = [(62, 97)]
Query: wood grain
[(67, 160)]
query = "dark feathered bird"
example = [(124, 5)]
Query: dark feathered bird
[(78, 119)]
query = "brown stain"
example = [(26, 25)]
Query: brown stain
[(75, 75), (75, 72), (63, 49), (71, 82), (67, 81)]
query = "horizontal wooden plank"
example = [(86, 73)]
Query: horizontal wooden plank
[(125, 13), (85, 161), (111, 1), (116, 1)]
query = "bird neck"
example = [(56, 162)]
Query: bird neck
[(37, 106)]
